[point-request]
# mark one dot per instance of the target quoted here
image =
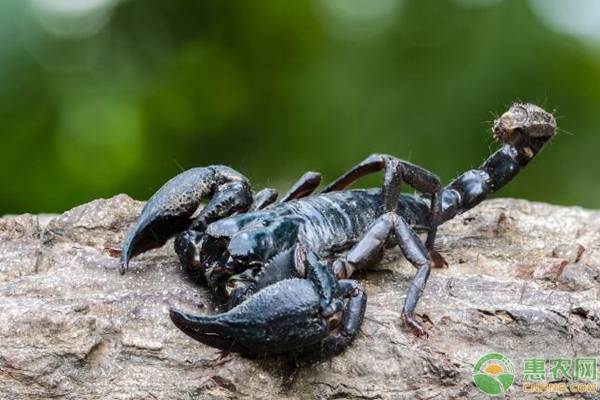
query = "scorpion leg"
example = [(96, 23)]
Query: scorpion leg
[(397, 171), (370, 248), (416, 176), (351, 321), (524, 129), (170, 209), (392, 180), (303, 187), (264, 198)]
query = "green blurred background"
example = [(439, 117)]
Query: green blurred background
[(99, 97)]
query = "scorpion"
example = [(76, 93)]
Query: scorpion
[(285, 267)]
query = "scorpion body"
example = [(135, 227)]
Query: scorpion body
[(328, 224), (333, 222), (285, 266)]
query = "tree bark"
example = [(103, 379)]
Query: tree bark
[(523, 280)]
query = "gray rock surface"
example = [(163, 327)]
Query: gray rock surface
[(523, 280)]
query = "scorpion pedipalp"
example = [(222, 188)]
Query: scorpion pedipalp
[(274, 320), (171, 208), (292, 315)]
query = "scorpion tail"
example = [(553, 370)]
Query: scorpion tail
[(524, 130), (170, 209)]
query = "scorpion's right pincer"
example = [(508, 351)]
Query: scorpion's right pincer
[(306, 316)]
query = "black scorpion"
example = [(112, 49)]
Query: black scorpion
[(285, 266)]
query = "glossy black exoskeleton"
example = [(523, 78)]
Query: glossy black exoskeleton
[(285, 266)]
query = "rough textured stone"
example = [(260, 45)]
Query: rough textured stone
[(579, 276), (522, 280)]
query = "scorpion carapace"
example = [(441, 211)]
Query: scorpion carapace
[(285, 267)]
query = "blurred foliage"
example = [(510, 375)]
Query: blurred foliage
[(121, 98)]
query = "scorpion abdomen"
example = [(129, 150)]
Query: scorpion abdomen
[(334, 221)]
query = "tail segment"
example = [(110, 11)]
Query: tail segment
[(524, 129)]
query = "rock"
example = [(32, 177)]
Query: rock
[(522, 280), (579, 277)]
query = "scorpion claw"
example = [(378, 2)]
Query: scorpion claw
[(280, 318), (167, 212), (170, 209), (207, 330)]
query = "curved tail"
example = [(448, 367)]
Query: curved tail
[(524, 129)]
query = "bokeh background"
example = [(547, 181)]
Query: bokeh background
[(99, 97)]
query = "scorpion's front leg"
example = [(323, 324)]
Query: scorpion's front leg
[(169, 211), (264, 198), (303, 187)]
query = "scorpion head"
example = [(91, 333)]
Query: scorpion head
[(258, 243), (231, 245), (525, 126)]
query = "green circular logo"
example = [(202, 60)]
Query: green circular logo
[(494, 374)]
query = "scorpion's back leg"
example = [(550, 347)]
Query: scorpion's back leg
[(396, 171), (303, 187), (370, 248), (170, 209), (524, 129)]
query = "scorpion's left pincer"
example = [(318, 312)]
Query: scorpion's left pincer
[(170, 210), (313, 317)]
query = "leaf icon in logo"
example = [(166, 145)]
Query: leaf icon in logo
[(494, 374)]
